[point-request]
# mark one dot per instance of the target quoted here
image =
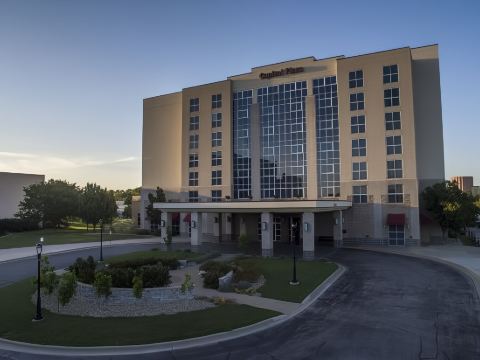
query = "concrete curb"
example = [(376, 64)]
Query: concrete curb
[(464, 270), (27, 348)]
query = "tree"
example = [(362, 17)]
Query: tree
[(452, 208), (155, 215), (50, 203), (66, 288), (97, 204)]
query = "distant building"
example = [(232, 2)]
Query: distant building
[(476, 190), (136, 202), (464, 183), (11, 191)]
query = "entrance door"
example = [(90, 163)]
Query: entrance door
[(396, 235)]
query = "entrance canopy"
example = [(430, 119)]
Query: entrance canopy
[(274, 206)]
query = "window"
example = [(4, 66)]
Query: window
[(216, 101), (216, 195), (392, 121), (194, 123), (390, 74), (217, 177), (394, 144), (396, 235), (193, 160), (355, 79), (394, 169), (359, 194), (216, 139), (357, 102), (359, 147), (358, 124), (193, 178), (193, 196), (395, 193), (391, 97), (194, 104), (193, 141), (216, 158), (216, 120), (359, 170)]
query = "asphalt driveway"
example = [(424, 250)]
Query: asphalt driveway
[(384, 307)]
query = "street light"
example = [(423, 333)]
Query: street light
[(38, 248), (101, 240), (294, 237)]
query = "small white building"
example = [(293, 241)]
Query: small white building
[(11, 191)]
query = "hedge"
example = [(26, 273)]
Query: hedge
[(17, 225)]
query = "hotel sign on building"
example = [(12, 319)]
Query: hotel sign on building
[(283, 72)]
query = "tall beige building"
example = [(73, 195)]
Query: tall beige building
[(318, 151), (11, 191), (464, 183)]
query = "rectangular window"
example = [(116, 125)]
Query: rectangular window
[(216, 120), (392, 121), (359, 170), (193, 141), (193, 160), (216, 139), (359, 194), (396, 235), (359, 147), (217, 177), (194, 104), (355, 79), (394, 169), (395, 193), (357, 101), (216, 158), (193, 196), (193, 178), (216, 195), (194, 122), (390, 74), (391, 97), (394, 144), (216, 101), (358, 124)]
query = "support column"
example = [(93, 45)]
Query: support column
[(165, 224), (338, 229), (308, 223), (267, 234), (196, 230), (227, 230), (216, 227)]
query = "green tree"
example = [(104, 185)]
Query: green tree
[(50, 203), (155, 215), (103, 284), (66, 288), (97, 205)]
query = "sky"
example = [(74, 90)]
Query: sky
[(73, 73)]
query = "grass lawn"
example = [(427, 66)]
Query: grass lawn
[(59, 236), (16, 312), (278, 273)]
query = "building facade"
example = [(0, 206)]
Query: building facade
[(464, 183), (11, 191), (314, 151)]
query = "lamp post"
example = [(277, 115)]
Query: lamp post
[(38, 248), (101, 240), (294, 238)]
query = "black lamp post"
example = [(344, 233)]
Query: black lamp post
[(294, 238), (101, 240), (38, 247)]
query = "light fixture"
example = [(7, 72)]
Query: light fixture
[(194, 224), (306, 227), (264, 225), (162, 223)]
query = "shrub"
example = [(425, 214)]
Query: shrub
[(103, 284), (84, 269), (213, 271), (66, 288), (50, 281), (171, 263), (17, 225), (155, 275), (243, 242), (246, 270), (121, 277), (210, 280), (137, 286), (187, 284)]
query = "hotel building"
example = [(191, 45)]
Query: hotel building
[(316, 151)]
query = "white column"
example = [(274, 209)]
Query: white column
[(338, 229), (308, 223), (216, 226), (196, 230), (165, 224), (227, 230), (267, 234)]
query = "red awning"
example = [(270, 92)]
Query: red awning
[(187, 218), (175, 217), (396, 219)]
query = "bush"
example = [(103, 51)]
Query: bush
[(171, 263), (84, 270), (66, 288), (243, 242), (246, 270), (137, 286), (213, 271), (17, 225), (210, 280), (103, 284), (187, 284), (155, 275), (49, 281), (121, 277)]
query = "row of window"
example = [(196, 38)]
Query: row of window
[(195, 121), (391, 97), (216, 178), (394, 170), (216, 140), (216, 159), (216, 103), (392, 122), (395, 194), (393, 143), (390, 75), (216, 196)]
